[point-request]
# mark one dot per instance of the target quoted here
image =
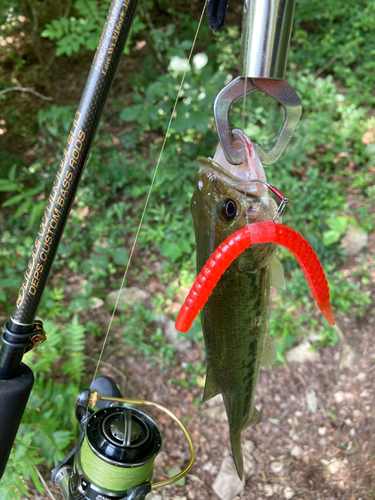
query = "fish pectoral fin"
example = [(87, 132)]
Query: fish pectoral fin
[(254, 417), (269, 354), (235, 441), (210, 388), (277, 274)]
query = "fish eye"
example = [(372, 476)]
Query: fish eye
[(228, 209)]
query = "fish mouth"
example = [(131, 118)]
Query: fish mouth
[(248, 188), (240, 177)]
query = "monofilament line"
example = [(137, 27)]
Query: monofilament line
[(149, 191)]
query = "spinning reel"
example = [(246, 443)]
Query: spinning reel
[(116, 450)]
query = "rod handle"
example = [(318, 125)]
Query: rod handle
[(14, 394)]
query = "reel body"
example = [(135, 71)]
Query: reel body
[(114, 457)]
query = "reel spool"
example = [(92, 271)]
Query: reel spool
[(117, 452)]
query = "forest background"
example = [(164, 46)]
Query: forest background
[(327, 172)]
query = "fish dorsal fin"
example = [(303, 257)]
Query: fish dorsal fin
[(277, 274), (210, 388), (269, 352)]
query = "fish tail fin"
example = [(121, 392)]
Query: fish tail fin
[(210, 388), (235, 440)]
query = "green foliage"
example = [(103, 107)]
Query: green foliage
[(9, 11), (142, 333), (57, 121), (337, 36), (82, 31), (337, 227), (154, 103), (22, 197), (48, 426), (195, 374)]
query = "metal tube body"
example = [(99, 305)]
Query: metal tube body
[(266, 30), (75, 154)]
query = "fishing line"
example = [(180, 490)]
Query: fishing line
[(149, 191)]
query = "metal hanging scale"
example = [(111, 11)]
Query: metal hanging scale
[(266, 31)]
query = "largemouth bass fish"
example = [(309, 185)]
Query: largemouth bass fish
[(235, 317)]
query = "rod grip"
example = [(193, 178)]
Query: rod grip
[(14, 394)]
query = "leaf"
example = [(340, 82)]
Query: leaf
[(132, 113), (120, 257), (24, 207), (171, 250), (6, 185), (330, 237), (12, 173), (36, 480), (13, 200), (36, 212), (9, 282), (62, 439), (337, 227), (173, 472)]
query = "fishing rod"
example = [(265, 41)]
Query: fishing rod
[(117, 445), (22, 333)]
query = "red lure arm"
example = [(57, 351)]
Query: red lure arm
[(224, 255)]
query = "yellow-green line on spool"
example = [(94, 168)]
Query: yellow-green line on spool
[(112, 477)]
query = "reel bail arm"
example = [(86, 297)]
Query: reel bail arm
[(266, 30)]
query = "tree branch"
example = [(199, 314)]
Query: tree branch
[(26, 89), (325, 66), (41, 478)]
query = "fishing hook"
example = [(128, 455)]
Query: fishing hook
[(275, 191)]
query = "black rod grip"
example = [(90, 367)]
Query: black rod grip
[(14, 394)]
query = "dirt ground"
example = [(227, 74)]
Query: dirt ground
[(315, 440), (299, 450)]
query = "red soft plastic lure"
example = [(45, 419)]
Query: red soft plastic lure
[(224, 255)]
